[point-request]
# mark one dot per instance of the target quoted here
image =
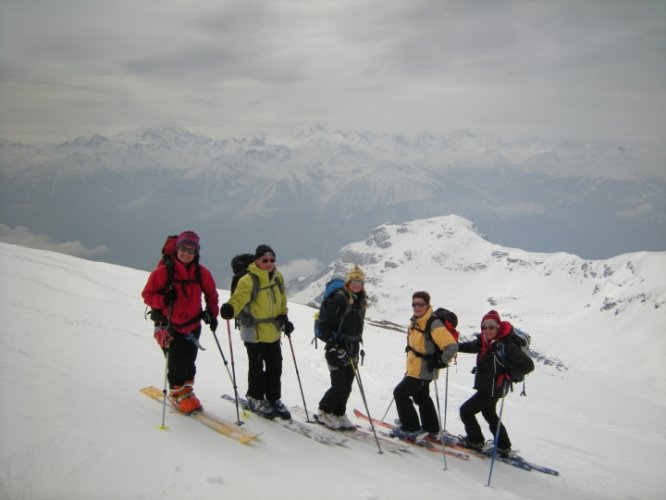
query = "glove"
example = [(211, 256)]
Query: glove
[(288, 328), (503, 382), (162, 337), (436, 363), (227, 311), (170, 296), (209, 319)]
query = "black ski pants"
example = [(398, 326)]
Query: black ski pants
[(182, 358), (342, 379), (488, 407), (264, 370), (409, 389)]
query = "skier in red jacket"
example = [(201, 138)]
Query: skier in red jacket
[(174, 291)]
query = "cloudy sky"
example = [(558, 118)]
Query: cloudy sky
[(551, 69)]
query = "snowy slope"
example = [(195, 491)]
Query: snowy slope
[(74, 350)]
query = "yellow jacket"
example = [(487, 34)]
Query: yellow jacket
[(417, 366), (261, 324)]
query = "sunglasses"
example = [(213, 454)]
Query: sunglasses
[(189, 250), (266, 261), (488, 327), (418, 304), (356, 282)]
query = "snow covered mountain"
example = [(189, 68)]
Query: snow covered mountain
[(75, 349), (448, 257), (311, 193)]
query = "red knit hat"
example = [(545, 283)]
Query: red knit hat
[(493, 316), (188, 238)]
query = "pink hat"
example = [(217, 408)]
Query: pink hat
[(188, 238), (493, 316)]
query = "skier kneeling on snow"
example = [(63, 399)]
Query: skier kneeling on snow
[(494, 374), (179, 303), (422, 369)]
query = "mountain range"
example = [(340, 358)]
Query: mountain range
[(312, 192)]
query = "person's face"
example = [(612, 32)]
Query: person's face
[(419, 306), (489, 330), (186, 253), (356, 285), (266, 263)]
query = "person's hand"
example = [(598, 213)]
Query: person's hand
[(170, 296), (208, 318), (341, 352), (163, 338), (227, 311), (503, 382), (288, 328)]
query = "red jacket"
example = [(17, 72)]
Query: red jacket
[(187, 306)]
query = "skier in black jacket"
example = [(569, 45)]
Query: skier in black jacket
[(341, 325), (500, 361)]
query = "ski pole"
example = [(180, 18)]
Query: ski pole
[(233, 371), (388, 408), (298, 376), (224, 360), (357, 375), (164, 391), (446, 397), (497, 433), (166, 372), (439, 417)]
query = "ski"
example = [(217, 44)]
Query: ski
[(487, 452), (222, 426), (357, 434), (422, 442), (294, 425), (365, 436)]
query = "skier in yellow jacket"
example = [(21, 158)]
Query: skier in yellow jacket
[(260, 303), (425, 355)]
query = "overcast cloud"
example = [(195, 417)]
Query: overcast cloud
[(556, 69)]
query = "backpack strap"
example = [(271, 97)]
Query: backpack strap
[(427, 333)]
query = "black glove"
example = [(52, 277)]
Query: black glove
[(213, 324), (340, 352), (282, 320), (288, 328), (227, 311), (436, 365), (205, 317), (170, 296)]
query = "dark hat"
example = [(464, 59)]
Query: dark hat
[(263, 250), (188, 238), (491, 316)]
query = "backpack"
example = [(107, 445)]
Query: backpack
[(239, 266), (523, 340), (332, 287), (168, 255), (450, 321)]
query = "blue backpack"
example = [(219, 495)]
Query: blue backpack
[(332, 286)]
